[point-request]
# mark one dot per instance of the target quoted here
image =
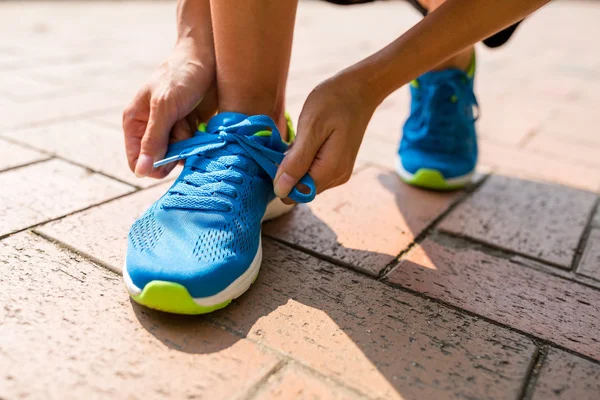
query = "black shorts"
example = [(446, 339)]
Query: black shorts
[(495, 40)]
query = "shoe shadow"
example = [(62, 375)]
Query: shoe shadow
[(369, 336)]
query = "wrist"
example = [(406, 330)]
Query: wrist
[(360, 81), (194, 29)]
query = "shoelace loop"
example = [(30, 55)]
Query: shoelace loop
[(197, 190)]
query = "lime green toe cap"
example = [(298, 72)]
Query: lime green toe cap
[(172, 298), (433, 179)]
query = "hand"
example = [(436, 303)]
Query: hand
[(330, 130), (179, 95)]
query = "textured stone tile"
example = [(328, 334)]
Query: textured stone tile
[(596, 219), (529, 165), (20, 88), (590, 261), (96, 146), (113, 119), (12, 155), (532, 301), (536, 219), (69, 331), (575, 121), (377, 151), (503, 119), (101, 232), (564, 149), (381, 341), (566, 376), (365, 223), (47, 190), (295, 383), (47, 110)]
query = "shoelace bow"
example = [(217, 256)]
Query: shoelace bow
[(220, 162), (440, 112)]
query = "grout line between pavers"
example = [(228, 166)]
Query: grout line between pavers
[(322, 257), (467, 192), (75, 250), (584, 238), (496, 252), (264, 380), (539, 342), (48, 158), (34, 226), (490, 247), (533, 374), (287, 360), (284, 359), (67, 160), (91, 113)]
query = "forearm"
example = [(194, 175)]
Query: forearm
[(454, 26), (194, 28)]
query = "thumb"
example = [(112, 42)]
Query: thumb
[(156, 138), (297, 161)]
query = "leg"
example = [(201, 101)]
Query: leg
[(253, 42), (461, 60), (438, 149)]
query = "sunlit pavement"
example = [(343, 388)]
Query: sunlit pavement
[(374, 291)]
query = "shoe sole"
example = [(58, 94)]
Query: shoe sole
[(431, 178), (174, 298)]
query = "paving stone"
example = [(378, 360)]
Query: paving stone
[(566, 376), (596, 219), (47, 190), (12, 155), (72, 104), (529, 300), (562, 148), (539, 220), (69, 331), (96, 146), (503, 119), (101, 232), (377, 151), (575, 121), (383, 342), (295, 383), (20, 88), (530, 165), (365, 223), (590, 261)]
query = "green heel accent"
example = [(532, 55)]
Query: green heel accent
[(172, 298), (432, 179), (290, 127)]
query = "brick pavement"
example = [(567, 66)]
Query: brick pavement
[(374, 291)]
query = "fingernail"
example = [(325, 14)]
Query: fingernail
[(144, 166), (284, 185)]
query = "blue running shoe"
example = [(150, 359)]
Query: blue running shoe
[(199, 246), (439, 144)]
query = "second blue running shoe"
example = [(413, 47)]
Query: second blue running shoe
[(439, 143), (199, 247)]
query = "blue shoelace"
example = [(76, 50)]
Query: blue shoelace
[(440, 104), (221, 159)]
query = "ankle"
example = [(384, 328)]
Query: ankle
[(255, 106), (462, 61)]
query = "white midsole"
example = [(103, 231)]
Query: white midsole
[(238, 287), (407, 176)]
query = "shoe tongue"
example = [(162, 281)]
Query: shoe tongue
[(224, 119)]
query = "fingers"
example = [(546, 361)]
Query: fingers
[(135, 119), (298, 159), (163, 114)]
